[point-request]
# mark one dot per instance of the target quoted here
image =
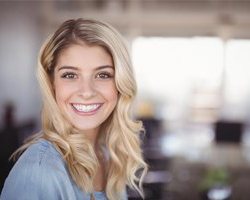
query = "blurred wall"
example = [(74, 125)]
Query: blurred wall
[(20, 40)]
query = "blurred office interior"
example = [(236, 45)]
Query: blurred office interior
[(191, 61)]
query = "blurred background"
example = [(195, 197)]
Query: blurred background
[(192, 64)]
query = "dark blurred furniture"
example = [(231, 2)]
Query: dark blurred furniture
[(228, 131)]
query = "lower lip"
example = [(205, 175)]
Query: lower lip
[(86, 113)]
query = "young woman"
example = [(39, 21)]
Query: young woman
[(89, 146)]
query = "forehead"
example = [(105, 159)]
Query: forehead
[(86, 55)]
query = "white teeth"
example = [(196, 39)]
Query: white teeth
[(85, 108)]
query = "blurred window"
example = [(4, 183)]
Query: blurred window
[(171, 69), (171, 66), (237, 71)]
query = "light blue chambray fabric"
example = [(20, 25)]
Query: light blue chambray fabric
[(41, 174)]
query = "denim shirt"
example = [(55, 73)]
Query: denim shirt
[(41, 174)]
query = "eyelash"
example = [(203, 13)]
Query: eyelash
[(69, 75), (101, 75), (104, 75)]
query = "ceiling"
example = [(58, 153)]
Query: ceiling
[(223, 18)]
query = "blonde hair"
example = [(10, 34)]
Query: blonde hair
[(120, 133)]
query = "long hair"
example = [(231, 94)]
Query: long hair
[(119, 133)]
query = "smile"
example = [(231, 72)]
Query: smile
[(86, 108)]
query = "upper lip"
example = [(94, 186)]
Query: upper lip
[(86, 104)]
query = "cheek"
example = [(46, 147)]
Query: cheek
[(112, 93), (107, 90), (61, 92), (58, 91)]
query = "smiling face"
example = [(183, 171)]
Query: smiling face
[(84, 86)]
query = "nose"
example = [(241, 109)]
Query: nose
[(86, 89)]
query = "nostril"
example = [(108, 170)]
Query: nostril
[(86, 89), (87, 94)]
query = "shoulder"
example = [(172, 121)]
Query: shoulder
[(39, 158), (42, 153), (40, 173)]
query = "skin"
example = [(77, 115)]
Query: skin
[(85, 92)]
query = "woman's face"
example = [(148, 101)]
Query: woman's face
[(84, 86)]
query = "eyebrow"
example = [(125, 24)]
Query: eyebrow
[(75, 68), (67, 67)]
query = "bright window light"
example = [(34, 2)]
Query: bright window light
[(171, 67), (169, 70), (238, 70)]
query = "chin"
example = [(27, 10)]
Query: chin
[(86, 128)]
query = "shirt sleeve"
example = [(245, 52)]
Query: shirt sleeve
[(38, 179)]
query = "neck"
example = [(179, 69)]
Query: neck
[(92, 136)]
